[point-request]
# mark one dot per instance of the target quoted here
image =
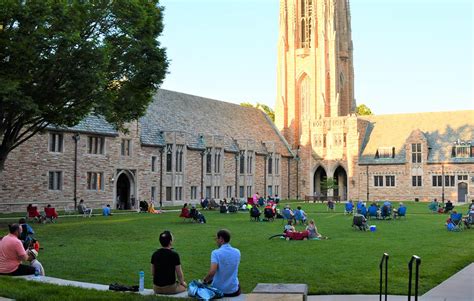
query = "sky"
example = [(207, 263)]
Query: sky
[(409, 55)]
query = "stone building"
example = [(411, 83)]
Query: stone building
[(398, 157), (186, 147)]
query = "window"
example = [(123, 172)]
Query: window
[(179, 158), (95, 181), (168, 193), (126, 147), (306, 11), (55, 181), (462, 178), (242, 162), (208, 161), (249, 191), (217, 160), (208, 192), (169, 157), (153, 163), (217, 192), (270, 190), (390, 181), (344, 137), (449, 180), (241, 191), (378, 180), (270, 165), (277, 189), (229, 191), (416, 181), (437, 181), (56, 142), (96, 145), (385, 153), (193, 192), (277, 165), (249, 162), (416, 153), (463, 150), (178, 193), (153, 193), (324, 140)]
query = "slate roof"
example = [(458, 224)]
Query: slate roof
[(178, 112), (441, 130), (91, 124)]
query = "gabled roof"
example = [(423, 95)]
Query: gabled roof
[(93, 124), (441, 130), (178, 112)]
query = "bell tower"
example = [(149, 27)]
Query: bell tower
[(315, 66)]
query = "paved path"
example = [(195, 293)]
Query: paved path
[(459, 287)]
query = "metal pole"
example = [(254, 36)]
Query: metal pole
[(386, 276), (161, 177), (265, 177), (367, 172), (418, 262), (202, 174), (289, 177), (236, 175), (76, 139), (442, 183)]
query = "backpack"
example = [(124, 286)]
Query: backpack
[(201, 291)]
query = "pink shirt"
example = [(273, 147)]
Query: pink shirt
[(11, 253)]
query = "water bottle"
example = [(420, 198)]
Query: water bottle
[(37, 272), (141, 282)]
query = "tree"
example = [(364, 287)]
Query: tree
[(266, 109), (63, 60), (362, 110), (328, 184)]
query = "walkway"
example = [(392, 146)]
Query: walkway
[(459, 287)]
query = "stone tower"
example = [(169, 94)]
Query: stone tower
[(315, 97), (315, 65)]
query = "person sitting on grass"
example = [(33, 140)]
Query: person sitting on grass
[(106, 211), (313, 231), (82, 209), (33, 254), (289, 227), (448, 207), (288, 213), (300, 215), (12, 253), (27, 233), (166, 267)]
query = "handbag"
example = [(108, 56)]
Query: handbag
[(201, 291)]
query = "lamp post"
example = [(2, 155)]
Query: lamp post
[(442, 183), (367, 172), (76, 139)]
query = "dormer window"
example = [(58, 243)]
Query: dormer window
[(463, 149), (385, 153), (416, 152)]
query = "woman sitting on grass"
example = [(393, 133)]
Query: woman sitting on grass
[(313, 231)]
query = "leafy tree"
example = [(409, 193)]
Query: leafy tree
[(62, 60), (328, 184), (362, 110), (266, 109)]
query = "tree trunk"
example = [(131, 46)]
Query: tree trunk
[(3, 158)]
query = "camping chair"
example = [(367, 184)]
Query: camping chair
[(33, 214), (363, 211), (469, 220), (386, 212), (349, 208), (143, 206), (233, 209), (331, 205), (373, 212), (213, 204), (186, 215), (269, 214), (456, 220), (287, 216), (299, 218), (402, 212), (255, 214), (223, 209), (86, 212), (51, 214), (359, 222)]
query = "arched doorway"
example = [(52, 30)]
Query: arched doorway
[(340, 176), (319, 176), (462, 192), (125, 189)]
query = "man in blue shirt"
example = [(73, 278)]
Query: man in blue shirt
[(224, 266)]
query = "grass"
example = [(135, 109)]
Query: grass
[(113, 249)]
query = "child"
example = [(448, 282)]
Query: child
[(34, 262)]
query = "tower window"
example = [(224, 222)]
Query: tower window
[(306, 11)]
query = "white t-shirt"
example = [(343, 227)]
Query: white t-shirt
[(37, 265)]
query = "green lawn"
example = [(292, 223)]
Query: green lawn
[(106, 250)]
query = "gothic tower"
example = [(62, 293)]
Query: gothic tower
[(315, 65)]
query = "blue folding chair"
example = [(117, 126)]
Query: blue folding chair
[(349, 208)]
